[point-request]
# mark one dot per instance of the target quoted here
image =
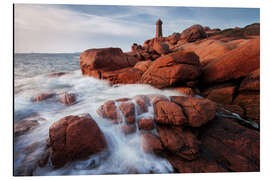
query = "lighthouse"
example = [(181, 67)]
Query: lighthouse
[(158, 28)]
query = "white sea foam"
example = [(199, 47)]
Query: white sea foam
[(123, 154)]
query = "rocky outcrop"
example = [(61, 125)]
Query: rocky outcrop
[(110, 64), (232, 145), (169, 70), (222, 145), (193, 133), (233, 65), (74, 137)]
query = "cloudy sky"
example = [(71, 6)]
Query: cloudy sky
[(75, 28)]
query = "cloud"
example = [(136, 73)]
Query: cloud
[(48, 24), (69, 28)]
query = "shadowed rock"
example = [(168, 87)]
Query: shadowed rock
[(193, 33), (251, 82), (180, 142), (146, 124), (151, 143)]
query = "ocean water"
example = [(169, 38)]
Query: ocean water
[(31, 78)]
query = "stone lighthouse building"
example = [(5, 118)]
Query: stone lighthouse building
[(158, 28)]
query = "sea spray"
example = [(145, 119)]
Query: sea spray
[(123, 155)]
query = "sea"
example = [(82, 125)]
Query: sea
[(123, 152)]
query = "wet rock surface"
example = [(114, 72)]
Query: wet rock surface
[(74, 137), (199, 142), (42, 97), (67, 98)]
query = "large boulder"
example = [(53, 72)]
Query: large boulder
[(171, 69), (167, 112), (193, 33), (235, 64), (198, 111), (102, 59), (74, 137)]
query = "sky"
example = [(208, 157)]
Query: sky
[(44, 28)]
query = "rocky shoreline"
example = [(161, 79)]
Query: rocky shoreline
[(212, 127)]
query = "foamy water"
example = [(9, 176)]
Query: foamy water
[(123, 155)]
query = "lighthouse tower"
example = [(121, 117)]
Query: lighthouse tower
[(158, 28)]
